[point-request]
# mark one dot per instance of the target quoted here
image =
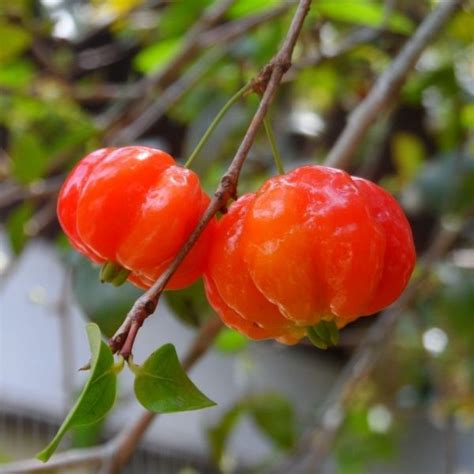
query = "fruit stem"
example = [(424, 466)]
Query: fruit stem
[(271, 138), (135, 368), (215, 122)]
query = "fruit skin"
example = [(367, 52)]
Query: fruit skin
[(135, 206), (314, 244)]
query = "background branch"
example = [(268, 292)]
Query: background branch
[(388, 85)]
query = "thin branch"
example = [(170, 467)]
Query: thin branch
[(165, 76), (388, 85), (315, 445), (266, 83), (167, 99), (231, 31), (11, 192), (71, 458)]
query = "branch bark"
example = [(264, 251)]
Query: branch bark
[(267, 82), (388, 85)]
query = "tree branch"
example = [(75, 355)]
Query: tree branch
[(388, 85), (267, 83)]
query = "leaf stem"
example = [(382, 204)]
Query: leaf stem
[(215, 122), (271, 138)]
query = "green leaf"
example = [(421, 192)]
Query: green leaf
[(103, 304), (274, 416), (180, 16), (17, 74), (362, 12), (408, 154), (219, 434), (14, 41), (16, 226), (162, 386), (242, 8), (154, 57), (29, 157), (97, 396), (230, 341)]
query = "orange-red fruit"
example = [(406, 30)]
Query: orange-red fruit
[(135, 206), (314, 244)]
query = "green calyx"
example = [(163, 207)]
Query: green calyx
[(324, 334), (114, 273)]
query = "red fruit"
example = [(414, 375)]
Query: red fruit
[(311, 245), (136, 207)]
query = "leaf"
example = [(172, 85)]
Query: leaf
[(364, 13), (408, 154), (153, 57), (97, 396), (230, 341), (162, 386), (17, 74), (29, 157), (16, 226), (14, 41), (180, 16), (219, 434), (274, 416), (103, 304), (249, 7)]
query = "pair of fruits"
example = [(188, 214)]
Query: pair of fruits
[(312, 245)]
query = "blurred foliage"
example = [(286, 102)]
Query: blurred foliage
[(272, 414), (71, 78)]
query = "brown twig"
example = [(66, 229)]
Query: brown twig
[(170, 96), (11, 192), (267, 82), (388, 85)]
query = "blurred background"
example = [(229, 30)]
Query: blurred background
[(76, 75)]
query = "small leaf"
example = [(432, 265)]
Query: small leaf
[(274, 416), (219, 434), (16, 226), (29, 156), (249, 7), (14, 40), (366, 13), (97, 396), (408, 154), (155, 56), (162, 386), (231, 341)]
